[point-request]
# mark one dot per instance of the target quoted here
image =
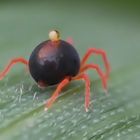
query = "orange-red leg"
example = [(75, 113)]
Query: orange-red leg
[(97, 51), (99, 71), (70, 40), (56, 93), (87, 92), (11, 64)]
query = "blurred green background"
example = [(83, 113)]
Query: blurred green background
[(111, 25)]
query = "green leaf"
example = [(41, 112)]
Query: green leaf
[(113, 26)]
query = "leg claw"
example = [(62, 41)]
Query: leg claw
[(106, 92), (46, 109), (86, 109)]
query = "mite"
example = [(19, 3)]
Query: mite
[(56, 62)]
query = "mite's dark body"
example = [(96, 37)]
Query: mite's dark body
[(51, 62)]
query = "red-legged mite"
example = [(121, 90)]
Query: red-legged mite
[(56, 61)]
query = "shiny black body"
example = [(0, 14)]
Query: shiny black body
[(50, 62)]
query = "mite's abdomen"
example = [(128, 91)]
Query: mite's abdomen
[(51, 62)]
